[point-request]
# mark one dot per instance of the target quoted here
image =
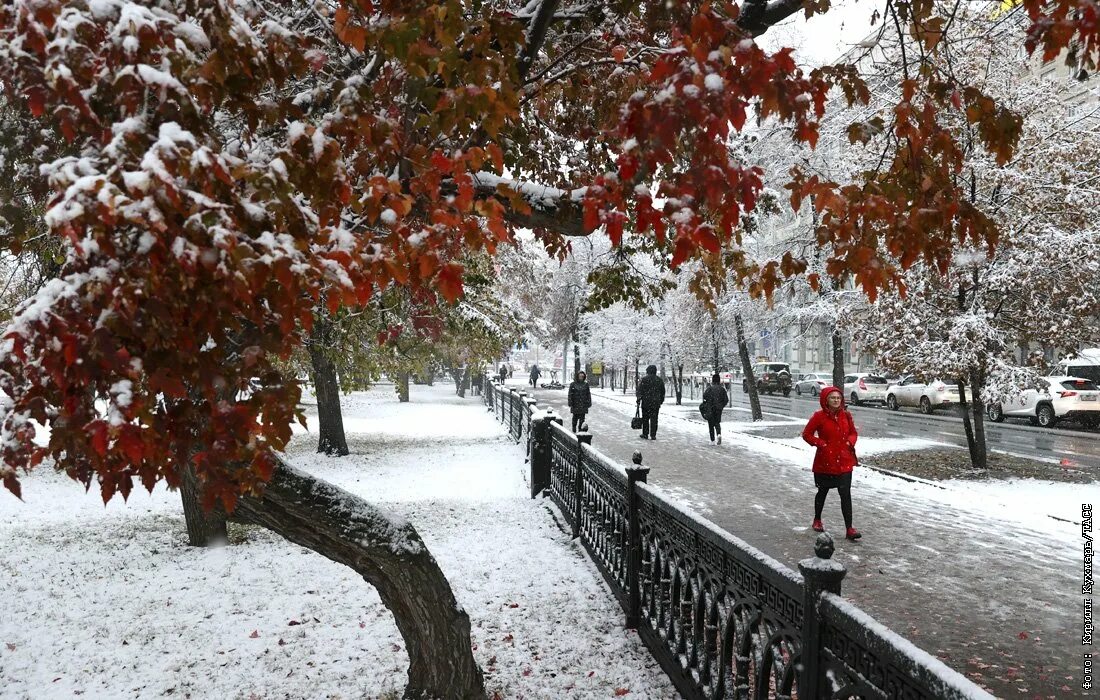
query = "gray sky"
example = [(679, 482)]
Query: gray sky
[(823, 38)]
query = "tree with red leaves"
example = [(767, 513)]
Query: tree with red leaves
[(224, 167)]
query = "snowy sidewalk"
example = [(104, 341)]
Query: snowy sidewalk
[(110, 602), (977, 573)]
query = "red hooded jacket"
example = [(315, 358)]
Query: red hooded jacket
[(834, 436)]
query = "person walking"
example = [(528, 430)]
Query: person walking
[(715, 398), (535, 374), (833, 432), (650, 393), (580, 399)]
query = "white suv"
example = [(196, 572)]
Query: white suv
[(1062, 397), (911, 391), (862, 387)]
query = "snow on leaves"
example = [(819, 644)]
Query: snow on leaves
[(229, 165)]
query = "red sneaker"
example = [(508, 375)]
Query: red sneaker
[(853, 534), (817, 526)]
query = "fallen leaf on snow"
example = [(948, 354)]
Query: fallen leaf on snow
[(255, 634)]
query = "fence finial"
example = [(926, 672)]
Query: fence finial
[(824, 547), (636, 457)]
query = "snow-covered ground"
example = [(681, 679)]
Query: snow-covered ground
[(110, 602)]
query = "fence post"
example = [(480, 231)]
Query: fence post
[(540, 453), (634, 474), (532, 406), (519, 419), (583, 438), (819, 574)]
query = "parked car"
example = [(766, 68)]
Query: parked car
[(1061, 398), (911, 391), (864, 387), (812, 383), (770, 378)]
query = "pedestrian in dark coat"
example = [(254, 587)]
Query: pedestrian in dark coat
[(535, 374), (580, 399), (715, 398), (833, 432), (650, 393)]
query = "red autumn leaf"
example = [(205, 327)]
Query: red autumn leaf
[(1022, 635), (97, 437), (255, 634), (450, 281), (619, 692), (36, 100)]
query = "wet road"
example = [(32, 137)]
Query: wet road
[(992, 593)]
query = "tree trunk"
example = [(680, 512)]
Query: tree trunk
[(564, 361), (746, 366), (971, 442), (838, 359), (203, 529), (456, 375), (403, 387), (465, 382), (626, 367), (678, 380), (977, 409), (330, 435), (391, 557), (714, 340)]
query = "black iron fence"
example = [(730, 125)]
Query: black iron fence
[(722, 618)]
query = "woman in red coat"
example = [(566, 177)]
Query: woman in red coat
[(833, 432)]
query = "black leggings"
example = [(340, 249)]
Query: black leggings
[(845, 503), (578, 420)]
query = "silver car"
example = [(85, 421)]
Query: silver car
[(812, 383), (864, 387), (911, 391)]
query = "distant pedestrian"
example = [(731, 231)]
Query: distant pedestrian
[(833, 432), (580, 399), (650, 393), (503, 373), (715, 399), (535, 374)]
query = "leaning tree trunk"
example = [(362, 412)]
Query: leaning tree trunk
[(330, 433), (746, 366), (977, 409), (390, 556), (203, 529), (971, 441), (403, 387), (679, 382), (838, 359)]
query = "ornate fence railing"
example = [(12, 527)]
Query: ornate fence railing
[(722, 618)]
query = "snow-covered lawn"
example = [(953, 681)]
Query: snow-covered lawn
[(111, 602)]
